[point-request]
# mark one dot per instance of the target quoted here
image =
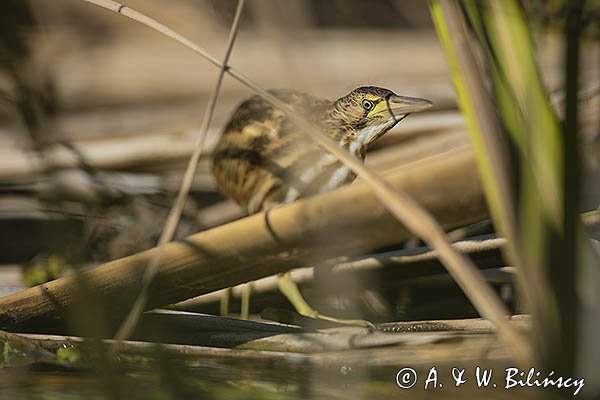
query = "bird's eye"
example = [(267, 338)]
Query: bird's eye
[(368, 105)]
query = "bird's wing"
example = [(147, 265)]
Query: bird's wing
[(263, 159)]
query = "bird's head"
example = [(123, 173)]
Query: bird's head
[(366, 113)]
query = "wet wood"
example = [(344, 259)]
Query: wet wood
[(419, 342), (207, 330)]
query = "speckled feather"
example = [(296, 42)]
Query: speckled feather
[(262, 159)]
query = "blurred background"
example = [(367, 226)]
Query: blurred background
[(99, 115), (129, 101), (111, 108)]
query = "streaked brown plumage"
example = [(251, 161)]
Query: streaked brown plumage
[(263, 160)]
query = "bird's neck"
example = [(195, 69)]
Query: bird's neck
[(371, 133), (355, 139), (334, 123)]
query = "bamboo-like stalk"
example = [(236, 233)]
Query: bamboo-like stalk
[(261, 245), (389, 267), (402, 207)]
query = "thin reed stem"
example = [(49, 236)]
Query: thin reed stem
[(402, 206), (132, 319)]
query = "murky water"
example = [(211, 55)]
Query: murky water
[(165, 378)]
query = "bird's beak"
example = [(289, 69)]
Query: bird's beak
[(399, 106)]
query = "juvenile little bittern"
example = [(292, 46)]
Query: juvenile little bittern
[(263, 159)]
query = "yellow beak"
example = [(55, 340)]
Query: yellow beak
[(398, 106)]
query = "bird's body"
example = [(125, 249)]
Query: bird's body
[(263, 159)]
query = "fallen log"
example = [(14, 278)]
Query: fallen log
[(348, 221)]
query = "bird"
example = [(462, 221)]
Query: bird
[(263, 160)]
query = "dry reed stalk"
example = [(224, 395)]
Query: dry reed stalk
[(260, 245), (402, 207)]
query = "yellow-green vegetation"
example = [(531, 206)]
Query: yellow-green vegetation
[(528, 158), (44, 269), (18, 352)]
